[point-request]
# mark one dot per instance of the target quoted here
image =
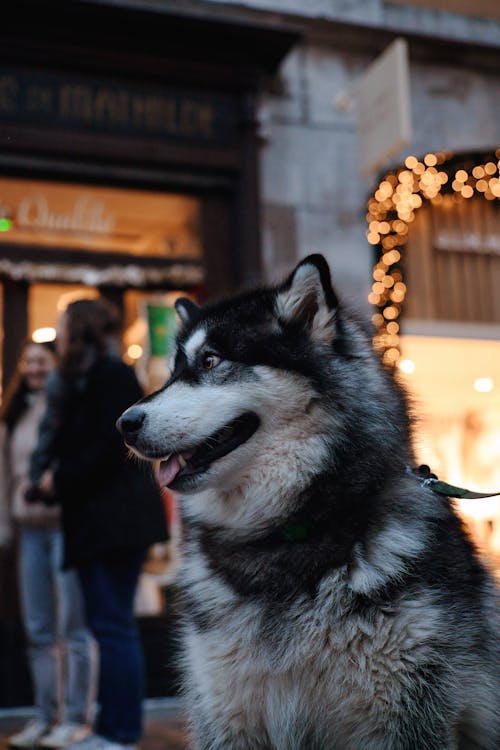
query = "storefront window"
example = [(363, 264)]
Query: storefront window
[(47, 301), (454, 384), (63, 242)]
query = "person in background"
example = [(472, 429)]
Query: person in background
[(112, 510), (60, 648), (43, 454)]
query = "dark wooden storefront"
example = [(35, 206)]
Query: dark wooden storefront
[(137, 95), (140, 96)]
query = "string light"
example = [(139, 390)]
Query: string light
[(391, 210)]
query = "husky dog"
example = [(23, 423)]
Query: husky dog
[(333, 601)]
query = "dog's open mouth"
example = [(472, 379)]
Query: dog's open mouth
[(179, 466)]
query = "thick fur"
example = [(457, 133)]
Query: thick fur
[(333, 602)]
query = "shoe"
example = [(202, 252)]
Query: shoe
[(64, 734), (96, 742), (30, 735)]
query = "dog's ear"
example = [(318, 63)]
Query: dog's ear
[(308, 298), (187, 310)]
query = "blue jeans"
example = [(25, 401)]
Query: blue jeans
[(60, 649), (108, 586)]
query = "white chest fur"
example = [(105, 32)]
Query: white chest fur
[(301, 672)]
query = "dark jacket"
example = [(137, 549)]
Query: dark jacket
[(110, 501), (43, 453)]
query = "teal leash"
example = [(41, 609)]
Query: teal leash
[(448, 490), (443, 488)]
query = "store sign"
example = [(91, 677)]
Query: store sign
[(466, 226), (467, 241), (50, 99), (99, 219), (87, 215), (384, 113)]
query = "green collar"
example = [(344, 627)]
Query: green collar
[(295, 532)]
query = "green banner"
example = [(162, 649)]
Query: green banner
[(161, 326)]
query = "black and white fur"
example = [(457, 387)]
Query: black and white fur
[(375, 627)]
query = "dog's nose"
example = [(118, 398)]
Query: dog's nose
[(130, 422)]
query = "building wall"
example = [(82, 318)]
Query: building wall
[(384, 14), (313, 196)]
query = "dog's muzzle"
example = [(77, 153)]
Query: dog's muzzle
[(130, 424)]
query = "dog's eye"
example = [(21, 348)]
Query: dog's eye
[(210, 360)]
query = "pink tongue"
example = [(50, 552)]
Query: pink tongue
[(168, 470)]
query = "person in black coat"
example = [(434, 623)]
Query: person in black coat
[(111, 509)]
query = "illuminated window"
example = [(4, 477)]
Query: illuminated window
[(47, 301), (458, 423)]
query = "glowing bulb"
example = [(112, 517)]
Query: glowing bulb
[(483, 385), (411, 161), (390, 313), (407, 366), (42, 335), (134, 351), (391, 355)]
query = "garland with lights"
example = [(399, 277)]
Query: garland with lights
[(128, 275), (391, 210)]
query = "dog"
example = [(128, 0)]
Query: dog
[(332, 600)]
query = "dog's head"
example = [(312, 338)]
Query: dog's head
[(252, 391)]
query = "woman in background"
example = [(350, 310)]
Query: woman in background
[(112, 510), (59, 645)]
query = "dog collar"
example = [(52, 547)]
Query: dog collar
[(299, 532), (295, 532)]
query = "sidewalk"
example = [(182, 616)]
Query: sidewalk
[(164, 726)]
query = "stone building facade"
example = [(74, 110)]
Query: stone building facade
[(313, 195)]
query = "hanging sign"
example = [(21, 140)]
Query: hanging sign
[(384, 113)]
